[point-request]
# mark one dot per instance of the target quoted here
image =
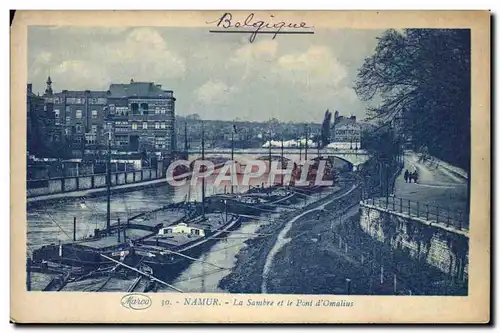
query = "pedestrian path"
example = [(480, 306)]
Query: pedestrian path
[(438, 194), (283, 238)]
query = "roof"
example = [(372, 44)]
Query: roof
[(346, 121), (136, 89), (82, 93), (32, 94)]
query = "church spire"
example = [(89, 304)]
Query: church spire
[(48, 90)]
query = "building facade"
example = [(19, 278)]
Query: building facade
[(346, 132), (43, 135), (137, 116), (80, 116), (141, 117)]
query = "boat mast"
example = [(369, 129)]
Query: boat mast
[(270, 138), (185, 138), (307, 142), (108, 184), (186, 148), (203, 178), (232, 159), (318, 144), (282, 159), (300, 149)]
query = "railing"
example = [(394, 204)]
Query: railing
[(455, 218), (46, 173)]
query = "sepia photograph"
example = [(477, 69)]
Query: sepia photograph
[(252, 153)]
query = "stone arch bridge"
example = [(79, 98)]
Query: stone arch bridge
[(354, 158)]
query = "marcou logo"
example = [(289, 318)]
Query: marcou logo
[(136, 301)]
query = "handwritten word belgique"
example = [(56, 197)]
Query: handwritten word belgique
[(258, 26)]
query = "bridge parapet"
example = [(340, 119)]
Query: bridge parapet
[(354, 157)]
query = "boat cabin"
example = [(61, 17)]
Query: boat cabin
[(181, 228)]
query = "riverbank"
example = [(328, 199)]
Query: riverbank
[(332, 255), (246, 276), (96, 192)]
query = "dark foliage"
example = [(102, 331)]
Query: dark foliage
[(325, 129), (421, 77)]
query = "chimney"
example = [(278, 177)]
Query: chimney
[(159, 86), (30, 87)]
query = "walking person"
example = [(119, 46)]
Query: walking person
[(406, 175), (415, 176)]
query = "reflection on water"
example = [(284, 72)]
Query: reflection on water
[(217, 263), (203, 276), (53, 222)]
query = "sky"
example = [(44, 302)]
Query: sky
[(294, 78)]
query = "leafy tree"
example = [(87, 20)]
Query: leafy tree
[(325, 129), (421, 77)]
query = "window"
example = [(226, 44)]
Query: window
[(157, 125), (78, 114), (121, 126), (135, 108), (144, 125), (78, 128), (67, 131), (121, 140), (90, 139), (94, 114), (157, 110), (122, 110), (94, 128), (56, 116), (134, 126), (163, 125)]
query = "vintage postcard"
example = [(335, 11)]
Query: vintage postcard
[(250, 167)]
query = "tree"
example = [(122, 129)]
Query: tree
[(193, 116), (422, 77)]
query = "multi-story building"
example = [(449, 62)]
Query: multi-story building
[(139, 116), (80, 115), (346, 132), (43, 135)]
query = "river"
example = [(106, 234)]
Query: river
[(53, 222), (203, 276)]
